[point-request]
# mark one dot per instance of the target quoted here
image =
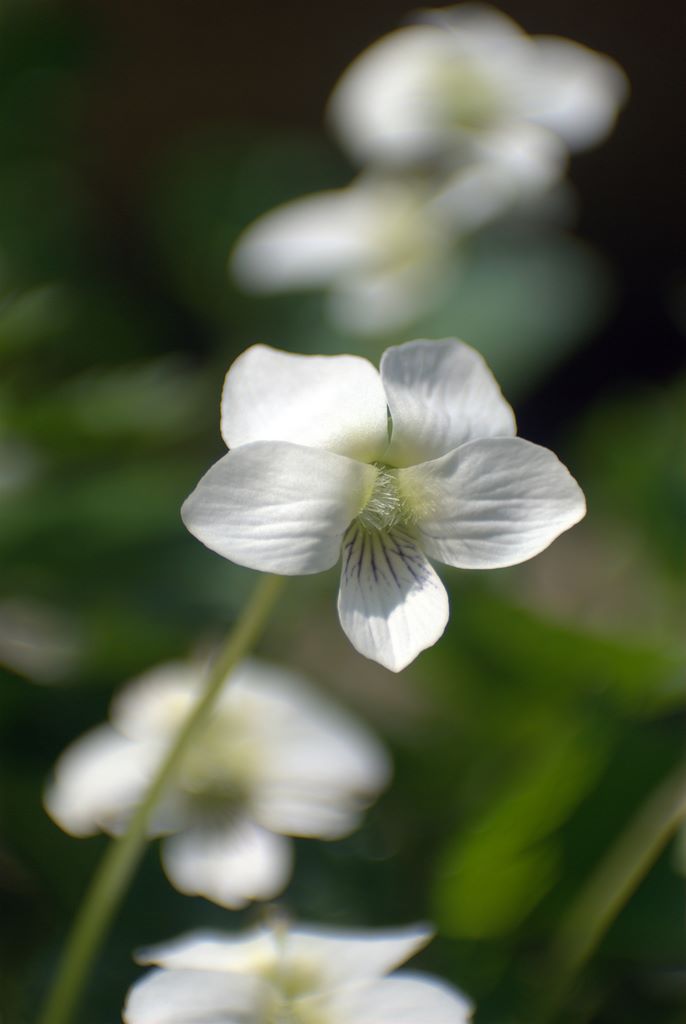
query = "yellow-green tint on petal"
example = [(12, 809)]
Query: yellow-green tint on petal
[(466, 94), (387, 505), (417, 499), (223, 764)]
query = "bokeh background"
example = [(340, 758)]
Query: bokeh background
[(136, 140)]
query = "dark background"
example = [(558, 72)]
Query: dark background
[(164, 69)]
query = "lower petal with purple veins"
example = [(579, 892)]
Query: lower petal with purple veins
[(392, 605)]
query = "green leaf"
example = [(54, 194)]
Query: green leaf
[(491, 875), (510, 643)]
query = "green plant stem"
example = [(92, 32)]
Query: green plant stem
[(119, 863), (613, 882)]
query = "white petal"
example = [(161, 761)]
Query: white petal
[(300, 724), (278, 507), (385, 299), (309, 786), (228, 863), (318, 782), (479, 30), (97, 781), (391, 603), (336, 955), (315, 768), (384, 105), (522, 159), (194, 997), (315, 812), (508, 167), (154, 704), (576, 92), (440, 394), (403, 999), (344, 956), (306, 243), (492, 502), (304, 737), (247, 952), (334, 402)]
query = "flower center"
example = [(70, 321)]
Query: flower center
[(219, 768), (405, 233), (468, 98), (286, 1012), (293, 999), (386, 506)]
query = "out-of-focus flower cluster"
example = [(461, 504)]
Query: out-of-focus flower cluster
[(454, 121), (303, 975), (274, 759)]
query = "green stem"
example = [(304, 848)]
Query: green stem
[(124, 853), (613, 882)]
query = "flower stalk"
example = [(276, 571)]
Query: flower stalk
[(124, 853)]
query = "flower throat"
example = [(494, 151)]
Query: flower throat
[(386, 506)]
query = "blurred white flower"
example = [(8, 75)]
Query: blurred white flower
[(305, 975), (466, 78), (384, 247), (380, 246), (315, 472), (274, 759)]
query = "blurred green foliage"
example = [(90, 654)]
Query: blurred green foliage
[(523, 743)]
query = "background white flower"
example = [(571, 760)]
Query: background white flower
[(384, 248), (314, 471), (467, 74), (379, 246), (304, 975), (457, 120), (274, 759)]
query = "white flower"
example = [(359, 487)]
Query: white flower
[(384, 248), (274, 759), (304, 975), (315, 471), (380, 246), (465, 78)]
